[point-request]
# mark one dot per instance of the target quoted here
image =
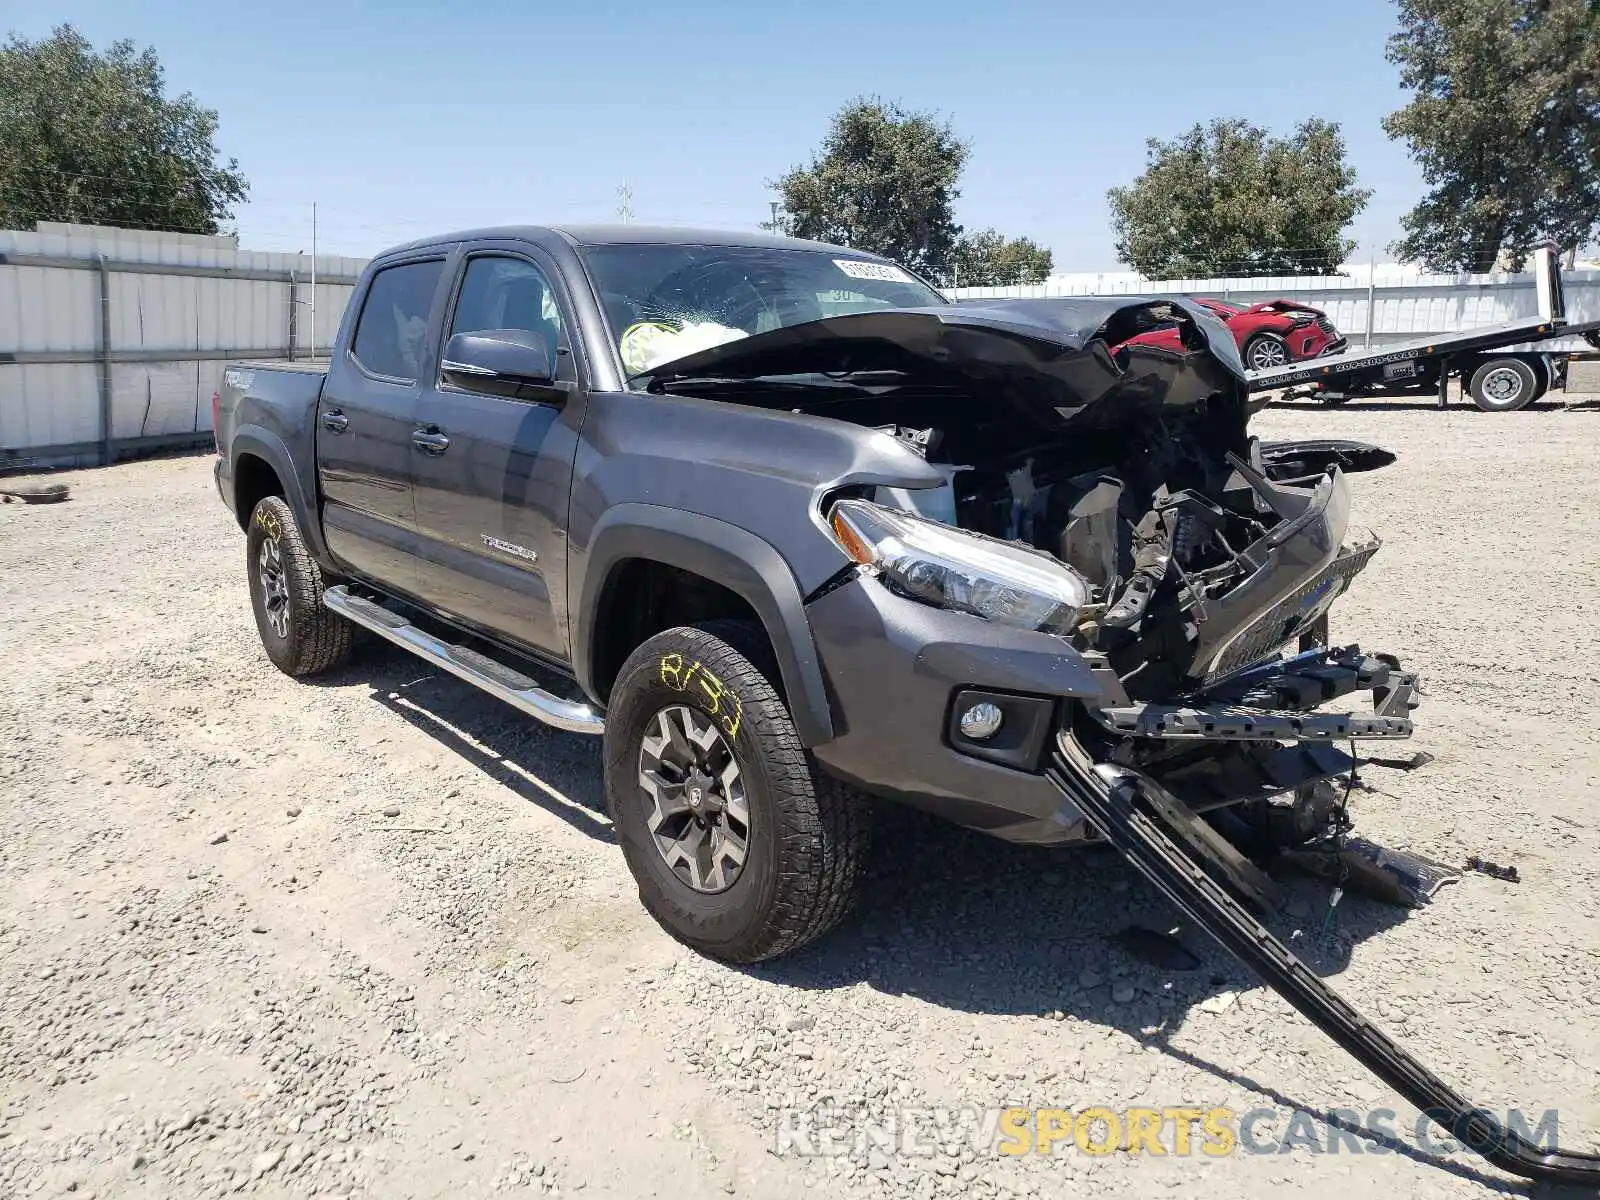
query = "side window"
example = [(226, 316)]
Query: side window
[(511, 293), (394, 320)]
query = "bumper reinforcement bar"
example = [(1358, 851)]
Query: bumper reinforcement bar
[(1110, 797), (1232, 723)]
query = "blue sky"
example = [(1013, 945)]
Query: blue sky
[(405, 118)]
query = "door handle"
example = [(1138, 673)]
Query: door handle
[(335, 421), (430, 441)]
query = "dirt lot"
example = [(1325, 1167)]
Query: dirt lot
[(370, 935)]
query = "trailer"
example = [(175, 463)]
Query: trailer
[(1499, 366)]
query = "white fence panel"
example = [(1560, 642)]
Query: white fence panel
[(43, 309), (116, 338), (158, 399), (47, 404)]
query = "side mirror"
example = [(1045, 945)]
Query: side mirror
[(502, 362)]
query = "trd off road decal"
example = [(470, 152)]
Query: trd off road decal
[(269, 522), (721, 703)]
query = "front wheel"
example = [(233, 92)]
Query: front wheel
[(740, 847), (300, 636), (1264, 351)]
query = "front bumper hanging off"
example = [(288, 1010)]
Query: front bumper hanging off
[(1114, 798)]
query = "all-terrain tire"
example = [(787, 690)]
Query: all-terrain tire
[(300, 636), (807, 835)]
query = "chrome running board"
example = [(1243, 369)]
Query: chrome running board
[(481, 672)]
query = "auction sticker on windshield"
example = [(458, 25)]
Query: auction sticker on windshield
[(857, 269)]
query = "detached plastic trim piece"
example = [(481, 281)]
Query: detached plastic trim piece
[(1109, 796)]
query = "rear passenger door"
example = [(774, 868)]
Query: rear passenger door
[(365, 421), (492, 489)]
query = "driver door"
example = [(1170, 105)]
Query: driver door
[(493, 475)]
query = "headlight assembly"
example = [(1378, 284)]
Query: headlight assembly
[(966, 572)]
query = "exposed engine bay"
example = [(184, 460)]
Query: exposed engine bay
[(1165, 522), (1204, 550)]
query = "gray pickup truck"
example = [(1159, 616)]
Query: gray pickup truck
[(791, 532), (788, 528)]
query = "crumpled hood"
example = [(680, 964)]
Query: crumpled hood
[(1062, 358)]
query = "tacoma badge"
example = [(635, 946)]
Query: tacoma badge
[(510, 548)]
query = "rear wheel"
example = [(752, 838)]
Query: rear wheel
[(1503, 385), (300, 636), (741, 848)]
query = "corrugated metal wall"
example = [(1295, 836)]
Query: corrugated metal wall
[(1382, 308), (135, 326)]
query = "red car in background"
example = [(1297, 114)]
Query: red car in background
[(1273, 333)]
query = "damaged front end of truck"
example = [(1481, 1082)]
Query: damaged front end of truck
[(1106, 493), (1155, 587)]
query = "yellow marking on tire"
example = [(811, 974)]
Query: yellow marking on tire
[(671, 669), (721, 704)]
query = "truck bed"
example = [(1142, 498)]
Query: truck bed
[(315, 366), (281, 400)]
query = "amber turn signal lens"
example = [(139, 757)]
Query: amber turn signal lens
[(852, 542)]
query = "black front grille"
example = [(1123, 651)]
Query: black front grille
[(1327, 327), (1284, 620)]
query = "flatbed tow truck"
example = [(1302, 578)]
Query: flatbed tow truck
[(1493, 368)]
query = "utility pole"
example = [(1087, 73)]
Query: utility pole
[(624, 202), (313, 342)]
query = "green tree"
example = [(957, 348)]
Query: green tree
[(93, 138), (1230, 199), (990, 259), (1504, 121), (885, 182)]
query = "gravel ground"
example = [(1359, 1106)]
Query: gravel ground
[(370, 935)]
